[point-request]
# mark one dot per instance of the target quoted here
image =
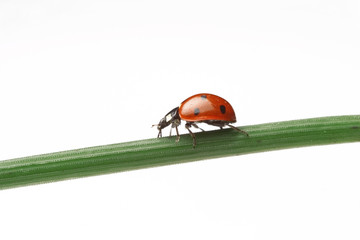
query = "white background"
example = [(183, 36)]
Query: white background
[(78, 73)]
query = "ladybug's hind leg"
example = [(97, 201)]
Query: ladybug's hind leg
[(238, 129), (196, 126)]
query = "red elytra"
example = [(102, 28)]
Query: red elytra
[(203, 107), (200, 108)]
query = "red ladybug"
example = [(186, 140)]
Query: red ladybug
[(200, 108)]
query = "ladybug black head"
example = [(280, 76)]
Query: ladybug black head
[(171, 117)]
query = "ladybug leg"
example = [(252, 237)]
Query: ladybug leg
[(187, 126), (196, 126), (175, 125), (238, 129), (177, 134)]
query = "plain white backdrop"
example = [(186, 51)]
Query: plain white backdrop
[(80, 73)]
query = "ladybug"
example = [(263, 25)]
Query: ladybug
[(200, 108)]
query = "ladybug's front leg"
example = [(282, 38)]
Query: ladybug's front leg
[(177, 134), (159, 134), (175, 125)]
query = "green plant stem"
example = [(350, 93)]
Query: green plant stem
[(164, 151)]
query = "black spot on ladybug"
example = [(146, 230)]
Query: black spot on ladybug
[(196, 111), (203, 97), (222, 109)]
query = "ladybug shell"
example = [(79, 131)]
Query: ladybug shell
[(205, 107)]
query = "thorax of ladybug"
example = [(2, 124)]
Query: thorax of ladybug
[(200, 108)]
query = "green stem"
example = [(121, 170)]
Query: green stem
[(164, 151)]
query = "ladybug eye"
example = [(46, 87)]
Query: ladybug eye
[(168, 117)]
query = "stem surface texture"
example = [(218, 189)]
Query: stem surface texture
[(164, 151)]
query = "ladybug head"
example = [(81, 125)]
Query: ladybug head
[(171, 117)]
